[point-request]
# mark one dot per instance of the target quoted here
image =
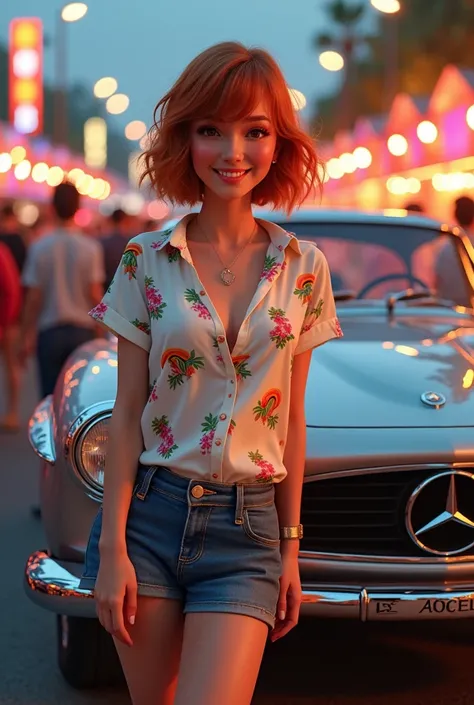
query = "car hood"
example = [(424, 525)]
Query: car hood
[(375, 375)]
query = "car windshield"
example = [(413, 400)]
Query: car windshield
[(374, 260)]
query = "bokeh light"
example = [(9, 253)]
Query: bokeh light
[(427, 132), (55, 176), (40, 172), (331, 60), (397, 145), (117, 103), (5, 162), (18, 154), (363, 157), (298, 99), (135, 130), (389, 7), (105, 87), (73, 11), (23, 170)]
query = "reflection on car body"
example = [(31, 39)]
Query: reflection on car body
[(389, 488)]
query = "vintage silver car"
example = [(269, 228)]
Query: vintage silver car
[(388, 501)]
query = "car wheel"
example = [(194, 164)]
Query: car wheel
[(86, 653)]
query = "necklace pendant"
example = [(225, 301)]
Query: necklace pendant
[(227, 276)]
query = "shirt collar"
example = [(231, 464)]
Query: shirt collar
[(281, 239)]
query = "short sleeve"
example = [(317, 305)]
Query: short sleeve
[(320, 323), (30, 276), (123, 308)]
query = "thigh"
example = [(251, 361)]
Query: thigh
[(220, 659), (151, 664)]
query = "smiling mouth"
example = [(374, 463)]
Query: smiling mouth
[(231, 173)]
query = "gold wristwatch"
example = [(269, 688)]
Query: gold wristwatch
[(291, 532)]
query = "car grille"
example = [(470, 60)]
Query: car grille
[(361, 514)]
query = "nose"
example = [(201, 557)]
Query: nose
[(233, 151)]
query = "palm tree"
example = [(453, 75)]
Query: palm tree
[(345, 17)]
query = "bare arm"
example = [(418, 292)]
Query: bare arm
[(125, 444)]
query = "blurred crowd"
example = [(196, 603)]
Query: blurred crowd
[(51, 274)]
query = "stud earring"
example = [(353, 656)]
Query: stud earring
[(274, 161)]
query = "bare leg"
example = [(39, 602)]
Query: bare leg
[(11, 420), (151, 664), (220, 660)]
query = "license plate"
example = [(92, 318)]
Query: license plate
[(409, 606)]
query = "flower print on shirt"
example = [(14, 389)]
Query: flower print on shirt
[(129, 259), (269, 402), (304, 287), (208, 426), (192, 297), (154, 299), (141, 325), (161, 428), (232, 425), (182, 365), (215, 344), (338, 329), (152, 393), (99, 311), (267, 471), (270, 268), (282, 333), (156, 245), (240, 366), (172, 252), (312, 315)]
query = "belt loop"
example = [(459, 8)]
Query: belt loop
[(145, 485), (239, 505)]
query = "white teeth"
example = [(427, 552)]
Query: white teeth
[(232, 174)]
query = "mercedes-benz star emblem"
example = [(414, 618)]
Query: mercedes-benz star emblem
[(433, 399), (440, 513)]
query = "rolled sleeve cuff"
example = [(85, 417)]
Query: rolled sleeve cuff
[(319, 334), (120, 326)]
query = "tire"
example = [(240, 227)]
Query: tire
[(86, 653)]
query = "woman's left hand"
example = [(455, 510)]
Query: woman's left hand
[(289, 602)]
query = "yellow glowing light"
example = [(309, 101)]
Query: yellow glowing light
[(348, 162), (95, 142), (331, 60), (397, 145), (75, 175), (40, 172), (406, 350), (363, 157), (135, 130), (397, 185), (28, 213), (97, 188), (117, 103), (22, 170), (105, 87), (25, 90), (73, 11), (95, 369), (388, 345), (18, 154), (5, 162), (55, 176), (427, 132), (468, 379), (84, 184), (334, 169), (107, 191), (26, 34), (470, 117), (413, 185), (389, 7), (298, 99), (112, 363)]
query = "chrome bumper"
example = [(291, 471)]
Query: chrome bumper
[(54, 585)]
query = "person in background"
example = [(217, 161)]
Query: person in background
[(10, 304), (114, 244), (63, 276), (11, 236), (449, 284)]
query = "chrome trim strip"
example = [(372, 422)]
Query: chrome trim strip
[(435, 467), (79, 427), (40, 430), (50, 584), (398, 560)]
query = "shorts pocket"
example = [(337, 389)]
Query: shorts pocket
[(261, 525)]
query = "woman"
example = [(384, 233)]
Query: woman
[(215, 319)]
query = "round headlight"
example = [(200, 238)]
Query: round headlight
[(91, 451)]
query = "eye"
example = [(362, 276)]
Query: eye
[(207, 131), (258, 133)]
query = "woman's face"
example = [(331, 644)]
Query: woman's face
[(231, 158)]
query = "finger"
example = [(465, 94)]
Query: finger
[(131, 603), (282, 602), (118, 626), (105, 618), (291, 620), (283, 630)]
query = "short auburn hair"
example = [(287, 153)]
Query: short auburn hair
[(226, 82)]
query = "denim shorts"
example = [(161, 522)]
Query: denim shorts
[(213, 546)]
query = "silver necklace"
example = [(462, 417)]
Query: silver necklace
[(227, 275)]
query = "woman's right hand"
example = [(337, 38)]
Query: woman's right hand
[(116, 594)]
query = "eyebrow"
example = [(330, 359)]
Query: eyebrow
[(257, 118)]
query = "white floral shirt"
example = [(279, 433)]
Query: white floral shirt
[(212, 414)]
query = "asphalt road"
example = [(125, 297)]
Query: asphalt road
[(319, 663)]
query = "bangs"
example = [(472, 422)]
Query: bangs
[(234, 96)]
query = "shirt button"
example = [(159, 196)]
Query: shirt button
[(232, 381), (197, 491), (218, 442), (230, 396), (220, 339), (202, 293), (223, 417), (215, 475)]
